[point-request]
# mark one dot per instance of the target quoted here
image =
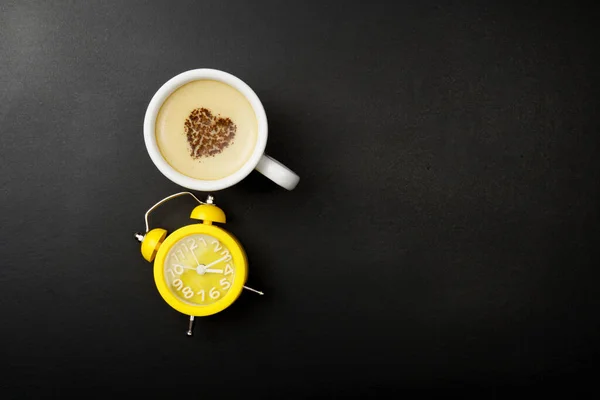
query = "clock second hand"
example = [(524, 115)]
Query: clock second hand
[(195, 258), (184, 266)]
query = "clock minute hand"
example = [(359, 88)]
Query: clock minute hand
[(215, 262)]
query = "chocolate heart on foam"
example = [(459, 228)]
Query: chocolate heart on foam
[(208, 134)]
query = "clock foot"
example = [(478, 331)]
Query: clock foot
[(190, 325), (253, 290)]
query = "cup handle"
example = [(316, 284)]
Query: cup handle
[(277, 172)]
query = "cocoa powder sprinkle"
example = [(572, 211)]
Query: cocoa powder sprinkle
[(208, 134)]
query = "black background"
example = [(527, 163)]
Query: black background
[(443, 234)]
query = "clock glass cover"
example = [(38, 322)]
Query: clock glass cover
[(199, 270)]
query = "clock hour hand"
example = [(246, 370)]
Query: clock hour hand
[(216, 271)]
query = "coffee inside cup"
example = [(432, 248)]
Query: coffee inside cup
[(206, 130)]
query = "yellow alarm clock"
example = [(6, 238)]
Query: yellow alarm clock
[(199, 269)]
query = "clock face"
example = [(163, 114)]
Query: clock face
[(199, 270)]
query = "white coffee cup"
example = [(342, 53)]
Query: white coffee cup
[(264, 164)]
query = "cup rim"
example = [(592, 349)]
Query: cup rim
[(150, 123)]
